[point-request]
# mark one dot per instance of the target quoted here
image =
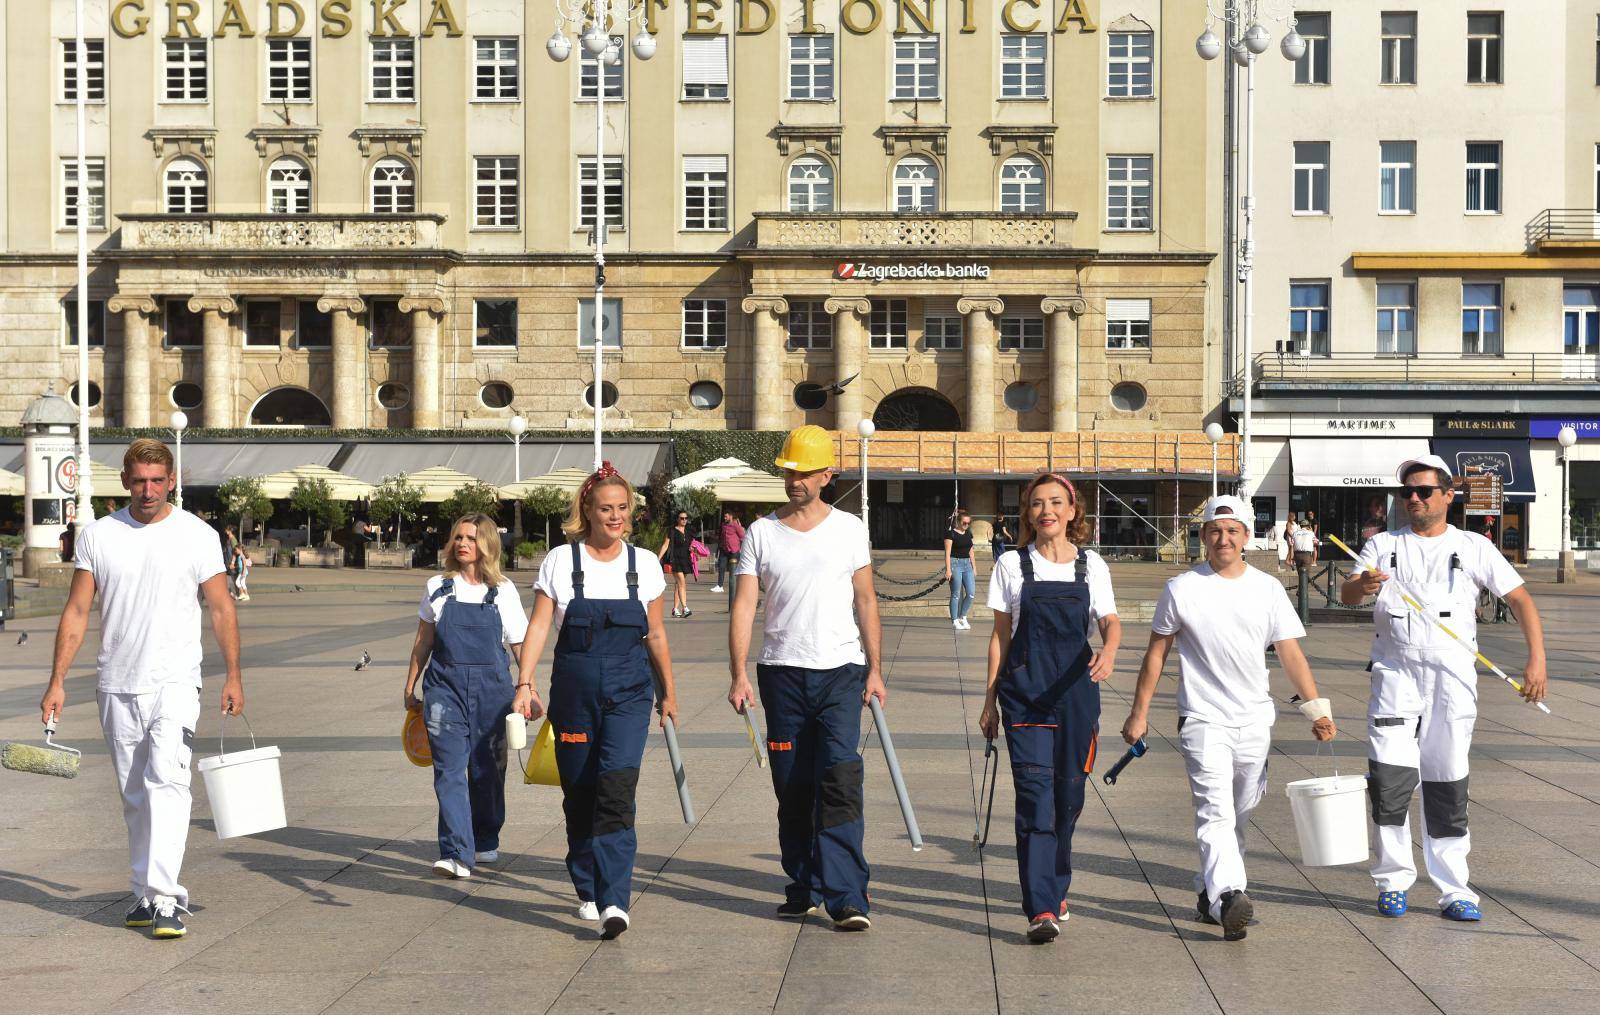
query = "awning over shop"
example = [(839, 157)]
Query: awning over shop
[(1507, 459), (1352, 462), (494, 463)]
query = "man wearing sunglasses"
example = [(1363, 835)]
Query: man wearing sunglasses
[(1425, 684)]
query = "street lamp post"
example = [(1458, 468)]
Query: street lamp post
[(180, 423), (597, 17), (516, 426), (866, 428), (1214, 434), (1567, 566)]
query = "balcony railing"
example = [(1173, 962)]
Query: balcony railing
[(1563, 227), (1417, 370), (951, 231), (310, 233)]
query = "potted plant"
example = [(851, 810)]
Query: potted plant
[(476, 498), (241, 498), (528, 555), (314, 499), (545, 501), (395, 498)]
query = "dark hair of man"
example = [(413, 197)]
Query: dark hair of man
[(1440, 476)]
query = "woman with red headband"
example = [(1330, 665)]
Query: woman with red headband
[(1048, 595), (604, 596)]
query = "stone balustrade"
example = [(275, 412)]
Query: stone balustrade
[(310, 233), (953, 231)]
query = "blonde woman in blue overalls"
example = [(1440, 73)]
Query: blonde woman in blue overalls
[(604, 596)]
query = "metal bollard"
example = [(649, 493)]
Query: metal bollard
[(1304, 604), (8, 588)]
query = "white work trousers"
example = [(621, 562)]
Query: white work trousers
[(151, 737), (1227, 768)]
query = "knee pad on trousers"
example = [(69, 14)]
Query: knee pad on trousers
[(613, 800), (840, 794), (1444, 808), (1390, 787)]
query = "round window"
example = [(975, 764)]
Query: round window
[(392, 395), (1021, 397), (608, 395), (1128, 397), (705, 394), (187, 395), (94, 394), (495, 395), (810, 397)]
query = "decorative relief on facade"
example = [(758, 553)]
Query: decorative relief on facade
[(808, 136), (902, 139), (277, 233), (1024, 232), (200, 142), (390, 141), (916, 232), (808, 232)]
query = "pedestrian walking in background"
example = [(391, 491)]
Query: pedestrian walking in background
[(241, 573), (1305, 543), (676, 556), (730, 541), (999, 537), (958, 569)]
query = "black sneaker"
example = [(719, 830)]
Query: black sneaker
[(1236, 914), (1202, 906), (139, 916), (851, 918), (687, 614), (166, 922), (797, 909), (1043, 929)]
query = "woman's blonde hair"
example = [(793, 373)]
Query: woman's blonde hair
[(488, 540), (1077, 529), (577, 524)]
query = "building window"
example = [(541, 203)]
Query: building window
[(608, 395), (810, 184), (94, 394), (1399, 52), (705, 394), (289, 70), (1129, 397), (186, 70), (495, 192), (1021, 185), (184, 187), (288, 187), (95, 169), (1480, 319), (97, 322), (886, 324), (1397, 177), (1483, 177), (393, 396), (263, 323), (394, 70), (705, 67), (613, 192), (1128, 180), (1127, 324), (186, 395), (1581, 311), (1130, 72), (810, 68), (394, 187), (1309, 313), (387, 327), (1316, 29), (94, 70), (494, 324), (1397, 319), (810, 325), (1021, 333), (1021, 396), (809, 397), (1022, 59), (610, 323), (916, 184), (184, 327), (588, 73), (916, 67), (1311, 177), (705, 324), (705, 192), (496, 395), (495, 72), (1484, 41), (313, 327), (941, 332)]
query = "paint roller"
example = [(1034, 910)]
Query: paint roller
[(1440, 624), (1136, 751), (754, 735), (51, 759), (674, 755), (894, 773)]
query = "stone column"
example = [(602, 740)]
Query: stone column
[(981, 313), (766, 390), (1064, 312), (136, 312), (347, 392), (217, 361), (426, 312), (849, 358)]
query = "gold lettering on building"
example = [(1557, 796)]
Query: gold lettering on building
[(650, 8), (967, 25), (1073, 10), (1008, 15), (336, 19), (384, 22), (908, 9), (233, 17), (121, 27), (275, 10), (850, 24), (745, 27), (182, 12), (808, 21), (703, 17), (441, 16)]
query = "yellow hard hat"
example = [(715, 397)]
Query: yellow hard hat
[(414, 739), (806, 450)]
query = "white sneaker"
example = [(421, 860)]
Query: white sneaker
[(452, 869), (487, 856), (966, 625), (716, 588), (956, 623), (613, 922), (588, 912)]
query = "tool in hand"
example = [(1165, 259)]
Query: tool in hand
[(990, 774), (755, 736), (675, 756), (1441, 625), (1136, 751), (894, 773), (51, 759)]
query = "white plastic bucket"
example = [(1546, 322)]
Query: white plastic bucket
[(1330, 819), (246, 791)]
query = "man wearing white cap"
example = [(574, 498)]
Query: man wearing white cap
[(1425, 684), (1222, 615)]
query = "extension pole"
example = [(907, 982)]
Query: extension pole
[(674, 755), (894, 773)]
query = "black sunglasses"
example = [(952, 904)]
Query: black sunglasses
[(1421, 492)]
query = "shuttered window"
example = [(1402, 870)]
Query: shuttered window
[(705, 67)]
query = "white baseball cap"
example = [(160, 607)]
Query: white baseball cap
[(1424, 461), (1226, 506)]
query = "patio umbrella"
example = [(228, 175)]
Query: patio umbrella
[(720, 468), (439, 483), (751, 487), (280, 485), (10, 484), (568, 481)]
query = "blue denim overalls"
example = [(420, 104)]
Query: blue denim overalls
[(468, 693), (600, 697), (1051, 712)]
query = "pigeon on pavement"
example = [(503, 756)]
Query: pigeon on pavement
[(22, 639), (365, 661)]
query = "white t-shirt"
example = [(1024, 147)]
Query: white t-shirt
[(513, 622), (1005, 583), (809, 581), (148, 578), (1422, 563), (602, 579), (1305, 540), (1224, 626)]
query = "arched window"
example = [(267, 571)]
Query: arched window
[(394, 187), (185, 187), (916, 184), (288, 187), (1021, 185), (290, 406), (810, 184)]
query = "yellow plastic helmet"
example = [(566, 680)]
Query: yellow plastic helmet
[(806, 450), (414, 739)]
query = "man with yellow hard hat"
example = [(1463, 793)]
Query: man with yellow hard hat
[(817, 669)]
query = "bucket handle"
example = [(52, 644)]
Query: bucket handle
[(221, 727)]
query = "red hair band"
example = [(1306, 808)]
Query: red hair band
[(1054, 477), (606, 471)]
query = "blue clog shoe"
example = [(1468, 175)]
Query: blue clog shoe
[(1392, 903), (1462, 911)]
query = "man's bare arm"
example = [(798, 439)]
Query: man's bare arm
[(69, 638)]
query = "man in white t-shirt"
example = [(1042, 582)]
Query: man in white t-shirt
[(817, 669), (148, 562), (1425, 683), (1222, 615)]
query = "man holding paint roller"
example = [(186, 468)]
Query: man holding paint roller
[(146, 562), (818, 667), (1222, 615), (1425, 682)]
